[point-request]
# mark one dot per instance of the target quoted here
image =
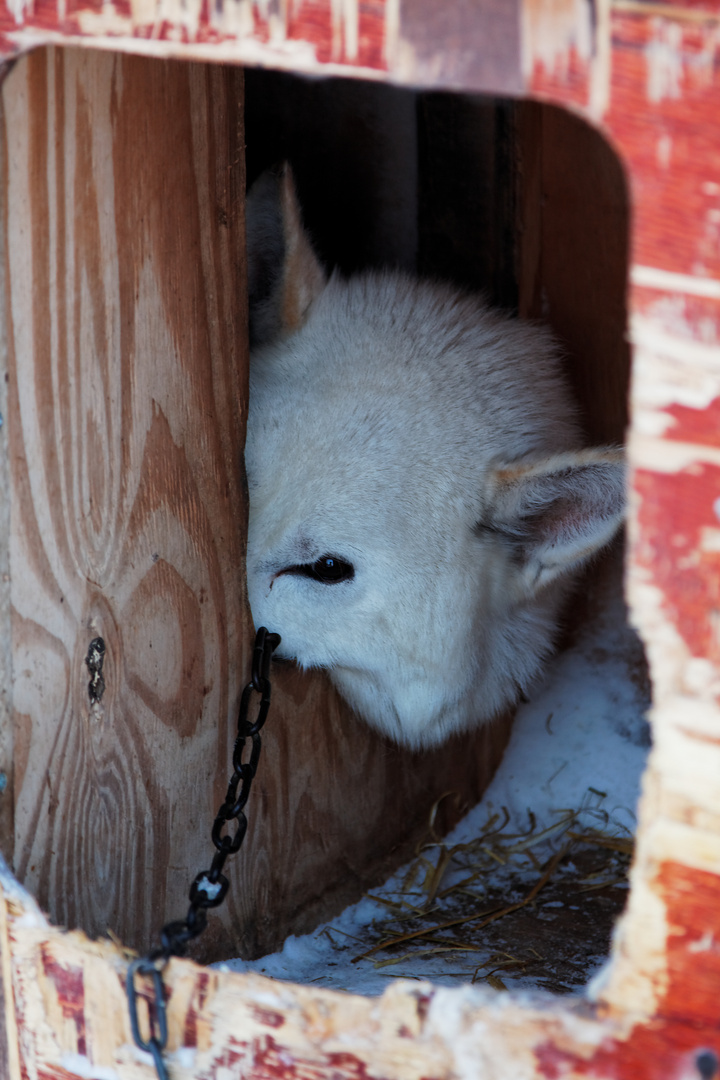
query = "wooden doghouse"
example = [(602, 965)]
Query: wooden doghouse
[(123, 401)]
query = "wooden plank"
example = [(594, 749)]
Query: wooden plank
[(127, 491), (73, 1015), (73, 1018), (643, 78)]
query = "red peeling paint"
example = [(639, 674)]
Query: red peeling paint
[(687, 1021), (423, 1004), (695, 425), (309, 21), (671, 199), (53, 1072), (229, 1058), (669, 145), (267, 1016), (195, 1008), (674, 510), (682, 315), (269, 1060), (190, 1028), (70, 987), (658, 1051), (565, 81), (692, 900)]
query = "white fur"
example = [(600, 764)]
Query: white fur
[(430, 442)]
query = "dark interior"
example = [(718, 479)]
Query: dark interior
[(522, 201), (527, 204)]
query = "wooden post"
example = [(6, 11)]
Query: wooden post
[(123, 218)]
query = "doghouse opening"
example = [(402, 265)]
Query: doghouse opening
[(526, 204), (127, 353)]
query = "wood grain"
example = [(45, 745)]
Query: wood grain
[(124, 220), (127, 361)]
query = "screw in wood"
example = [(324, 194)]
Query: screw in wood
[(94, 660)]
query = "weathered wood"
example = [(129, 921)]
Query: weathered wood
[(70, 1003), (643, 76)]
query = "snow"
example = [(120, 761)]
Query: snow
[(580, 744)]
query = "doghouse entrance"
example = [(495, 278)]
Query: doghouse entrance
[(126, 323), (527, 204)]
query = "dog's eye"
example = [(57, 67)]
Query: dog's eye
[(328, 569)]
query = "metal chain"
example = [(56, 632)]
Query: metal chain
[(210, 887)]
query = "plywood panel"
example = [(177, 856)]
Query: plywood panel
[(127, 360), (73, 1018), (123, 219)]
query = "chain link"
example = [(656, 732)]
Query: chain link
[(209, 888)]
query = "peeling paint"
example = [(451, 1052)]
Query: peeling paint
[(20, 9), (345, 29), (81, 1066), (551, 29), (181, 21), (702, 66), (682, 316), (392, 30), (601, 68), (710, 537), (667, 371), (663, 152), (703, 944), (650, 277), (670, 456), (675, 66), (637, 978)]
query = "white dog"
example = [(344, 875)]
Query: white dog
[(418, 498)]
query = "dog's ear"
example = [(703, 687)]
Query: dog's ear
[(284, 274), (557, 512)]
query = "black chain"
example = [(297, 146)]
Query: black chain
[(210, 887)]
